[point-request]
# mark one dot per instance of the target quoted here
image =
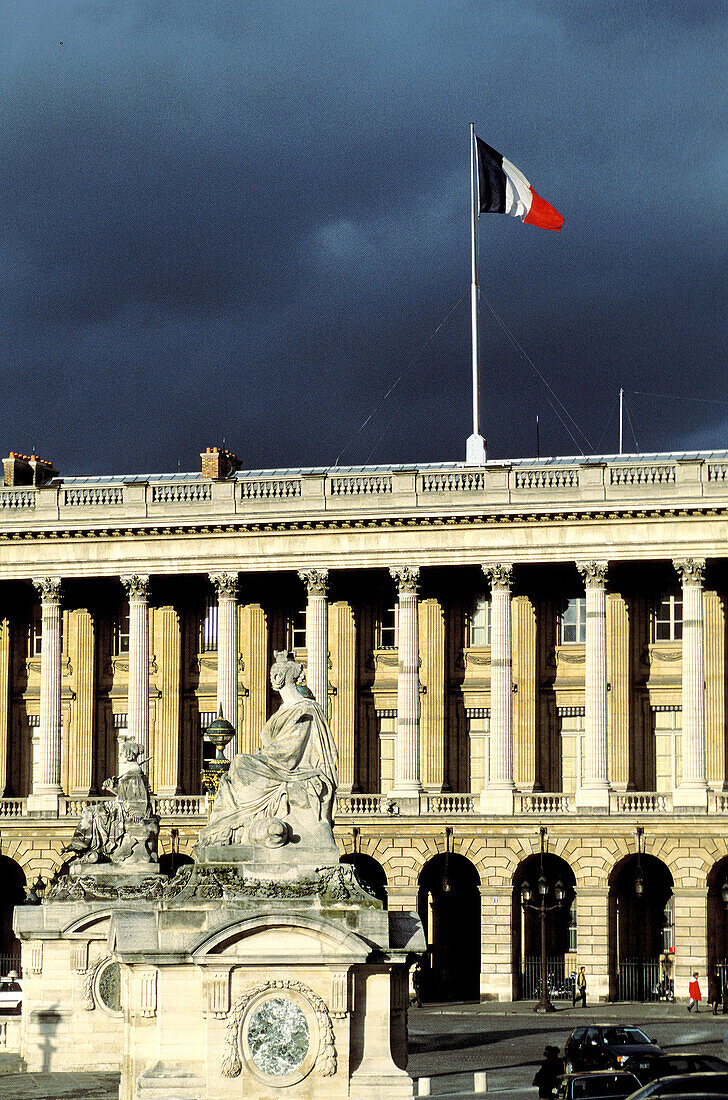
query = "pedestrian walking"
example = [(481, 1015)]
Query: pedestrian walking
[(724, 989), (714, 993), (581, 986), (694, 993), (417, 983), (547, 1076), (572, 982)]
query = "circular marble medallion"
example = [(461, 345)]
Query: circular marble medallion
[(277, 1036), (107, 988)]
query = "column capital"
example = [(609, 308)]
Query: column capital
[(48, 588), (593, 573), (316, 581), (691, 570), (225, 584), (406, 577), (499, 575), (136, 585)]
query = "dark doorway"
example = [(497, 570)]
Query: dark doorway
[(448, 903), (370, 873), (718, 924), (560, 929), (12, 893), (641, 947)]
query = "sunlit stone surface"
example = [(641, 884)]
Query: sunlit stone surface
[(278, 1037)]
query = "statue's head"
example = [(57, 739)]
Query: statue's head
[(131, 751), (285, 669)]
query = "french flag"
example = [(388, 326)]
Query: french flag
[(502, 189)]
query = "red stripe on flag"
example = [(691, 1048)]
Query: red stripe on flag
[(543, 214)]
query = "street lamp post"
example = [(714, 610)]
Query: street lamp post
[(545, 1004)]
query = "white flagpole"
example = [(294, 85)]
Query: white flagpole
[(475, 446)]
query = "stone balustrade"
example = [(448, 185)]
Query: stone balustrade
[(550, 483)]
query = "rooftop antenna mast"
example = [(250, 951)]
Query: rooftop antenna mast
[(475, 447)]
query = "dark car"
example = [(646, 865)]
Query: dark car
[(610, 1046), (674, 1065), (602, 1085), (692, 1084)]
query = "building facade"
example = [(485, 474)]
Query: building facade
[(524, 656)]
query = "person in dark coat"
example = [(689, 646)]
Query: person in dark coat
[(548, 1074), (714, 991)]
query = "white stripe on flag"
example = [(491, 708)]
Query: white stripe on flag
[(518, 191)]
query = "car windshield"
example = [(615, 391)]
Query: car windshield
[(623, 1036), (601, 1085)]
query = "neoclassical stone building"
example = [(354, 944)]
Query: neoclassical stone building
[(530, 651)]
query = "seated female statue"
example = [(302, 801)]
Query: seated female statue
[(287, 787)]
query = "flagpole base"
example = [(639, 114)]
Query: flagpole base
[(475, 451)]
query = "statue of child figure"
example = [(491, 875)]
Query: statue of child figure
[(122, 830)]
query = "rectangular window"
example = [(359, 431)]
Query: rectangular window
[(208, 749), (296, 630), (667, 619), (121, 630), (573, 622), (35, 634), (478, 623), (208, 626), (387, 628)]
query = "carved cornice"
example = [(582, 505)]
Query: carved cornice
[(406, 577), (136, 585), (593, 573), (499, 576), (225, 585), (691, 570), (316, 581), (48, 588)]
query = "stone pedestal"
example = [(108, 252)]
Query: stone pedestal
[(258, 988), (72, 1010)]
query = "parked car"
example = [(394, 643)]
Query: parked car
[(674, 1065), (600, 1085), (688, 1084), (606, 1046), (11, 993)]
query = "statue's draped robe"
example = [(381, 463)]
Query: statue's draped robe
[(102, 827), (295, 766)]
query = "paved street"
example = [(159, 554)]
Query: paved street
[(449, 1043)]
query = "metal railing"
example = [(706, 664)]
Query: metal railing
[(559, 983), (639, 980)]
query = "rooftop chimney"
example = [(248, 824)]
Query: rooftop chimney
[(27, 470), (219, 463)]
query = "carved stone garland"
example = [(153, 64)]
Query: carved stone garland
[(89, 982), (325, 1063)]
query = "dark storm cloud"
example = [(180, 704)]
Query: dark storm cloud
[(247, 221)]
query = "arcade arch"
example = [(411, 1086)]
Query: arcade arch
[(369, 872), (12, 893), (448, 902), (641, 946), (561, 930)]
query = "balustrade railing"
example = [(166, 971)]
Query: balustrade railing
[(449, 804), (93, 496), (547, 477), (642, 475), (640, 802), (273, 489), (186, 492), (360, 485), (546, 803), (13, 807), (347, 804), (453, 482)]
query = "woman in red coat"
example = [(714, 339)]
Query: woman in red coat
[(694, 993)]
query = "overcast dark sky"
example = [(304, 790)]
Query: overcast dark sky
[(246, 220)]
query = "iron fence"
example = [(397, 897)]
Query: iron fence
[(642, 980), (9, 962), (560, 984)]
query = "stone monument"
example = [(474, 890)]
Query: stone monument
[(264, 969), (72, 1012)]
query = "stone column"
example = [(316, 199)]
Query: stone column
[(407, 739), (692, 791), (226, 589), (594, 790), (137, 587), (317, 634), (45, 792), (497, 797)]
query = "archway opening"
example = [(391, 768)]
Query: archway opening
[(448, 902), (12, 893), (370, 873), (641, 944), (718, 924), (559, 929)]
